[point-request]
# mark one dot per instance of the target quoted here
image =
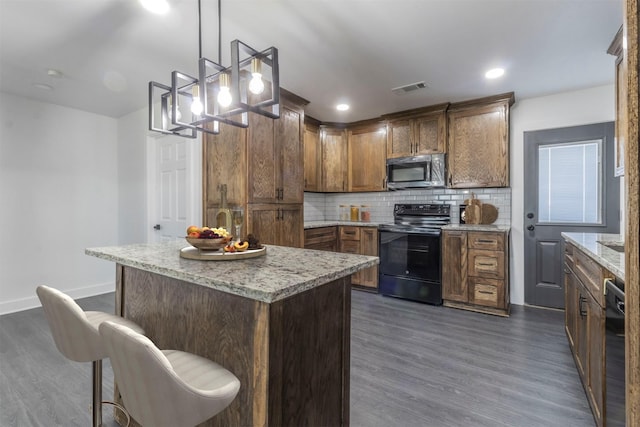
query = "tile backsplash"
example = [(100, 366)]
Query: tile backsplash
[(324, 206)]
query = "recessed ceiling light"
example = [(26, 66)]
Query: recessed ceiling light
[(156, 6), (43, 86), (342, 107), (55, 73), (494, 73)]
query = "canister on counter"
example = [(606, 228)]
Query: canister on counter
[(355, 213), (344, 213), (365, 213)]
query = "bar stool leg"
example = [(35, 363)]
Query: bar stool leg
[(97, 393)]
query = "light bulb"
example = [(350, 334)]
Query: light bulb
[(224, 96), (196, 104), (256, 85)]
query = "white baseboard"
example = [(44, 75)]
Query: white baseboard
[(21, 304)]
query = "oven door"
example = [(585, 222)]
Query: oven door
[(410, 266)]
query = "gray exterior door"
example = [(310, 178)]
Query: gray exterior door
[(569, 186)]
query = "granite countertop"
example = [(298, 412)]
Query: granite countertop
[(334, 222), (281, 273), (476, 227), (590, 244)]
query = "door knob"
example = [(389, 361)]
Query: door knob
[(156, 227), (530, 228), (530, 215)]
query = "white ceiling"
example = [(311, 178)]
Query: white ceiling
[(330, 50)]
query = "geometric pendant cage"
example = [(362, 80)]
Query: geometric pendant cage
[(219, 94)]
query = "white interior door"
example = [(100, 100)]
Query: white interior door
[(173, 194)]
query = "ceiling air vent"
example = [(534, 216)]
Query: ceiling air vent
[(409, 88)]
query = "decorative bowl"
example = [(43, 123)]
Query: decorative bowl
[(208, 244)]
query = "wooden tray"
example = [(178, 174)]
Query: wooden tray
[(194, 253)]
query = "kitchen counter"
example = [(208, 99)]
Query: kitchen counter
[(590, 244), (281, 273), (476, 227), (335, 222), (280, 322)]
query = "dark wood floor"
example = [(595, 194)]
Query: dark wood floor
[(411, 365)]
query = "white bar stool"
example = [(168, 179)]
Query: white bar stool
[(76, 335), (165, 388)]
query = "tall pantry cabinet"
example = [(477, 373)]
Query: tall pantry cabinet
[(262, 169)]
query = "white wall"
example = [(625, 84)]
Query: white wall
[(132, 177), (593, 105), (58, 195)]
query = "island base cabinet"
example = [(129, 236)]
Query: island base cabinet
[(585, 323), (291, 356)]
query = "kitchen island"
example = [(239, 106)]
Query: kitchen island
[(280, 323)]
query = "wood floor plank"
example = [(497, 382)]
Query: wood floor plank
[(411, 365)]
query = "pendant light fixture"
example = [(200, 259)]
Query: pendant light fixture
[(219, 94)]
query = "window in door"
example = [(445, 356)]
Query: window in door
[(569, 183)]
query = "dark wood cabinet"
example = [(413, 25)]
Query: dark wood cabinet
[(275, 157), (367, 159), (616, 49), (475, 271), (322, 238), (454, 266), (262, 169), (350, 240), (334, 159), (585, 323), (312, 157), (276, 224), (415, 132), (478, 142)]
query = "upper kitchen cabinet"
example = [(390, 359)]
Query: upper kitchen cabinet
[(621, 101), (275, 156), (478, 142), (312, 155), (334, 163), (414, 132), (367, 156)]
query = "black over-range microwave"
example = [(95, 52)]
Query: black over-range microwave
[(425, 171)]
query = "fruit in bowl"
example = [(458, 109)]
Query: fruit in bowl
[(207, 239)]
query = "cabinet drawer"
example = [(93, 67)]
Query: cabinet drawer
[(350, 233), (483, 263), (488, 241), (486, 292), (315, 236), (591, 274), (350, 247)]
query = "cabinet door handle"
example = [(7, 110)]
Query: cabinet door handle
[(581, 300)]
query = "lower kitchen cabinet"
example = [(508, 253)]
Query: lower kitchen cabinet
[(585, 323), (276, 224), (350, 240), (475, 271), (321, 238)]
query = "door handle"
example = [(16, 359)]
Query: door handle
[(581, 300), (157, 227), (530, 228)]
